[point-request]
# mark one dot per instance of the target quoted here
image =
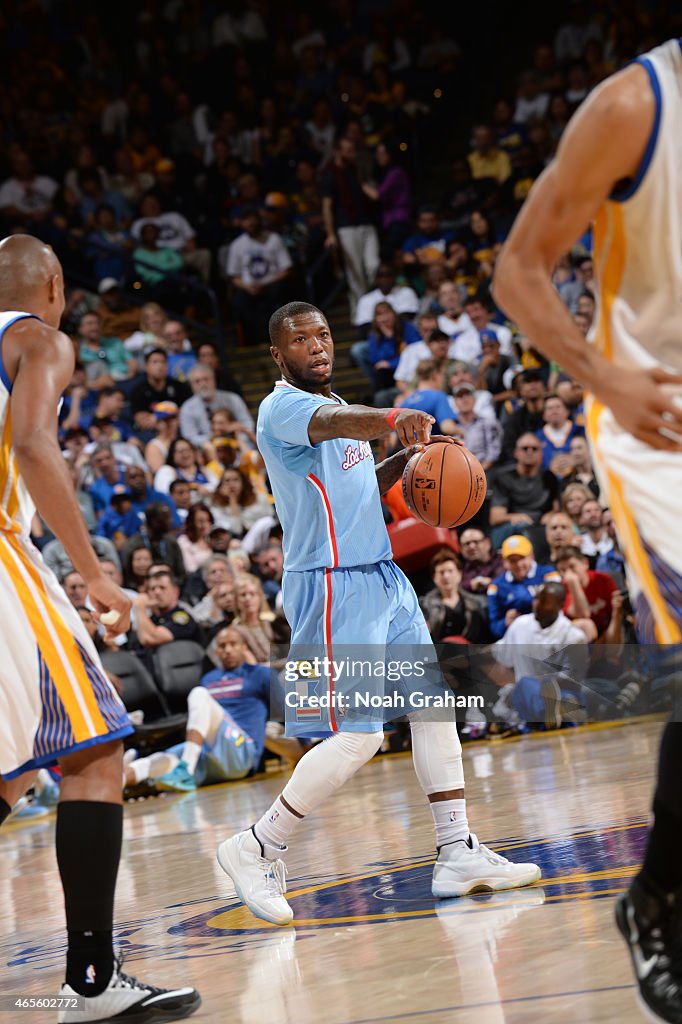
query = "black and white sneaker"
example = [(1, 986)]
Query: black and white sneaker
[(647, 923), (130, 1001)]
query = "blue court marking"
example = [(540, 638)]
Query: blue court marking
[(587, 865)]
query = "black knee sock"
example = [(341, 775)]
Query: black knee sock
[(5, 810), (663, 862), (89, 838)]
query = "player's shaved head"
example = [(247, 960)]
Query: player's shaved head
[(283, 319), (26, 264), (555, 591)]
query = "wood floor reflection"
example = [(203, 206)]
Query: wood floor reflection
[(368, 943)]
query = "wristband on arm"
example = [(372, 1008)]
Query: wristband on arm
[(391, 417)]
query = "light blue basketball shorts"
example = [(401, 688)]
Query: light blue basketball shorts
[(356, 618), (231, 756)]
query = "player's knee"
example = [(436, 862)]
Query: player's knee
[(197, 696), (360, 746)]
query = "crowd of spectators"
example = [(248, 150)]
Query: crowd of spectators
[(219, 151)]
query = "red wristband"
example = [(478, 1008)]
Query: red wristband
[(390, 417)]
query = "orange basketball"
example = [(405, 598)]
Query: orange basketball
[(444, 485)]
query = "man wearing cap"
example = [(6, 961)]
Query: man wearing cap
[(118, 318), (482, 436), (511, 594), (529, 417), (105, 359), (120, 520)]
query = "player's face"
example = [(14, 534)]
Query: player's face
[(305, 351), (231, 648)]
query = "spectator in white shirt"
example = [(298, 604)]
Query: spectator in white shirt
[(546, 652), (403, 299), (175, 232), (26, 197), (258, 266)]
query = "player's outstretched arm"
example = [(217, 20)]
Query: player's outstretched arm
[(603, 145), (363, 423), (44, 360)]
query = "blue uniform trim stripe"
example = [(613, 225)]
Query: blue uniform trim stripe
[(3, 372), (629, 191), (45, 760), (668, 580), (54, 732), (112, 711)]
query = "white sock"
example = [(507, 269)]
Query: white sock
[(140, 768), (190, 754), (450, 819), (276, 825)]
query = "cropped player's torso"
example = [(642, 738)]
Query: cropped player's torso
[(16, 505), (326, 495), (638, 237)]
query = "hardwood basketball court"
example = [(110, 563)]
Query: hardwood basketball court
[(369, 944)]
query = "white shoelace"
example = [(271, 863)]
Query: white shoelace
[(490, 855), (275, 877)]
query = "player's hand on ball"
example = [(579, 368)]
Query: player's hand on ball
[(112, 607), (446, 438), (413, 427)]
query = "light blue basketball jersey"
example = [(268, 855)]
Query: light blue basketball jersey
[(326, 495)]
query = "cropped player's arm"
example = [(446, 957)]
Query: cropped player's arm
[(603, 144), (363, 423), (43, 361)]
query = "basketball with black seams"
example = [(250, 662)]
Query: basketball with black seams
[(444, 485)]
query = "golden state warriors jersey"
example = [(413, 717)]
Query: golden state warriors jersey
[(16, 506), (638, 237)]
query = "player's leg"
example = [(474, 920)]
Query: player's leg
[(12, 790), (253, 858), (63, 708), (204, 719), (463, 865), (88, 840)]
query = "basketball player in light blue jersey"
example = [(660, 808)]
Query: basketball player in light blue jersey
[(340, 587)]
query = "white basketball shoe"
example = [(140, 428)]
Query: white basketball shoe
[(466, 867), (127, 999), (258, 874)]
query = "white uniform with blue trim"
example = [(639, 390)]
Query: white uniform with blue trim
[(340, 589), (638, 323), (55, 697)]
